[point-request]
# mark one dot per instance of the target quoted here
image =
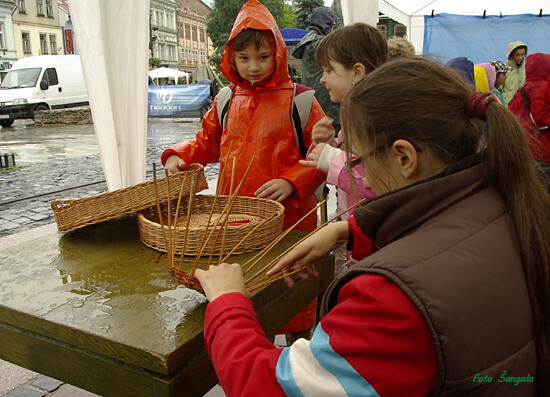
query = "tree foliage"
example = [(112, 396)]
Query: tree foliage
[(304, 9), (221, 20), (289, 15)]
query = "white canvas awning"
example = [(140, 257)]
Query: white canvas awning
[(112, 38)]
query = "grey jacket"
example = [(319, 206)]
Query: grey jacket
[(322, 20)]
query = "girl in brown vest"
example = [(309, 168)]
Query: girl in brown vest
[(455, 301)]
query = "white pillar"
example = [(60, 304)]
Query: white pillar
[(112, 39), (365, 11)]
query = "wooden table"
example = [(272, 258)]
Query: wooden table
[(93, 309)]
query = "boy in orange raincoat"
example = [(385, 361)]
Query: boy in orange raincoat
[(259, 123)]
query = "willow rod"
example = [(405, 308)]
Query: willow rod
[(266, 250), (230, 203), (219, 184)]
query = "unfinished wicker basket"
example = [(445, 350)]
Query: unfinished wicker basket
[(245, 215), (71, 214)]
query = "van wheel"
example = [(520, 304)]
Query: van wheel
[(41, 107), (6, 123)]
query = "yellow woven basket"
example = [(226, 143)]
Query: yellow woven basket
[(246, 214), (71, 214)]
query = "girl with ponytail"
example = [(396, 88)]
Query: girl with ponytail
[(455, 301)]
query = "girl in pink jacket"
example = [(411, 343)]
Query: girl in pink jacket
[(346, 55)]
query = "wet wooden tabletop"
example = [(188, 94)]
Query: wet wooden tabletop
[(94, 309)]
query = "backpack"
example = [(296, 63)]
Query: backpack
[(302, 99)]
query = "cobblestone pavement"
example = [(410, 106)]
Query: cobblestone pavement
[(29, 189)]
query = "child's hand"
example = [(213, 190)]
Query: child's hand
[(276, 189), (323, 131), (309, 251), (314, 155), (174, 164), (222, 279)]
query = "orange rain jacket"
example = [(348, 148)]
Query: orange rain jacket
[(259, 123)]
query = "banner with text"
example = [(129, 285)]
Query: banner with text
[(168, 100)]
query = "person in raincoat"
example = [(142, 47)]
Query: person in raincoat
[(259, 124), (322, 22), (465, 68), (537, 74), (517, 51)]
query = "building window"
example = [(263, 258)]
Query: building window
[(2, 36), (182, 55), (194, 30), (40, 7), (49, 9), (188, 55), (43, 44), (22, 6), (203, 57), (195, 56), (201, 31), (53, 44), (158, 19), (26, 42), (187, 31)]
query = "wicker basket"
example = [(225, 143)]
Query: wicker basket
[(246, 213), (71, 214)]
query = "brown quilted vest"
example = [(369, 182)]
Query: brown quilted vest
[(449, 244)]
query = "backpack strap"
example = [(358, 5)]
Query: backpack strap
[(302, 99), (526, 99), (224, 101)]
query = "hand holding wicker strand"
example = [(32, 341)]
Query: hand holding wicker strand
[(173, 165), (186, 279), (222, 279), (313, 248)]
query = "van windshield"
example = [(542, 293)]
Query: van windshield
[(21, 78)]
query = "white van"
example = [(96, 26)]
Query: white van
[(41, 83)]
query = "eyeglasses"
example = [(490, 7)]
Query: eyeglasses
[(358, 172)]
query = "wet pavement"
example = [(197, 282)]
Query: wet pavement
[(54, 162)]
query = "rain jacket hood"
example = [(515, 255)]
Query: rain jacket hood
[(254, 15), (464, 67), (491, 73), (512, 46), (323, 18)]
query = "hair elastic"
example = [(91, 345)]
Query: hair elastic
[(477, 102)]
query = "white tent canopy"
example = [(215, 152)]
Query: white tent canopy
[(118, 100), (168, 73)]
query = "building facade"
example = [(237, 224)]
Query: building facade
[(8, 54), (163, 36), (36, 28), (192, 40)]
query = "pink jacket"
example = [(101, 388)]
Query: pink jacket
[(332, 162)]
